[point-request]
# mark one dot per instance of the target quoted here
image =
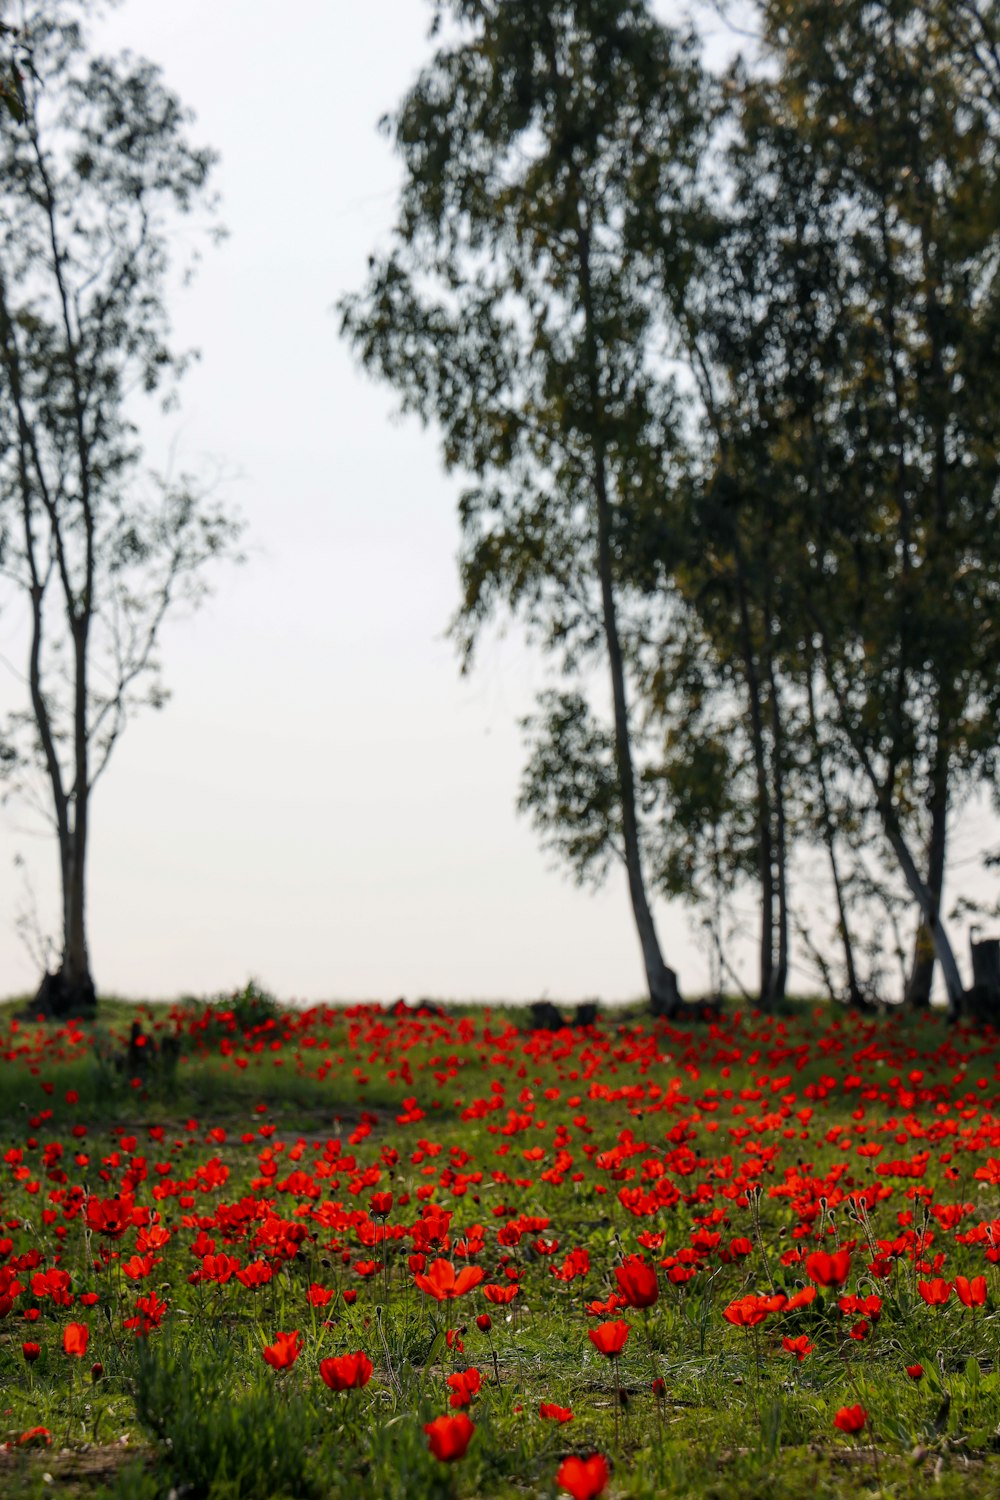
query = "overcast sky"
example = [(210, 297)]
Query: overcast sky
[(324, 803)]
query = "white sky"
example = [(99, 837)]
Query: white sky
[(324, 803)]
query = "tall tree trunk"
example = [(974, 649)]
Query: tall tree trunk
[(894, 833), (661, 981), (942, 945), (854, 995), (765, 850), (77, 984), (918, 986), (779, 975)]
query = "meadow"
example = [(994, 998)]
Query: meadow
[(249, 1253)]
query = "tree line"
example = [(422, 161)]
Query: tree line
[(717, 356)]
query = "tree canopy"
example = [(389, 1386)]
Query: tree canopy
[(718, 358)]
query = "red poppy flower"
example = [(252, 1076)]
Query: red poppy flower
[(111, 1216), (915, 1372), (346, 1372), (31, 1351), (149, 1315), (380, 1205), (800, 1346), (464, 1385), (935, 1293), (139, 1266), (972, 1293), (499, 1295), (484, 1322), (75, 1336), (637, 1282), (449, 1437), (583, 1478), (284, 1351), (609, 1338), (441, 1282), (552, 1413), (868, 1307), (605, 1309), (850, 1418), (827, 1269), (747, 1312), (35, 1437)]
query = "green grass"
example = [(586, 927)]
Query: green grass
[(193, 1409)]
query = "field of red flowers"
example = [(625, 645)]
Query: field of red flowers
[(248, 1253)]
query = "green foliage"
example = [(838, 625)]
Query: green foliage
[(570, 785), (249, 1446), (248, 1007)]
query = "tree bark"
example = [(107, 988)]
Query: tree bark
[(76, 962), (765, 850), (854, 995), (931, 915), (779, 975), (661, 981), (918, 986), (894, 833)]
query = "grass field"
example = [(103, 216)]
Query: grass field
[(255, 1253)]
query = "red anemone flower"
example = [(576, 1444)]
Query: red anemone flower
[(972, 1293), (464, 1385), (448, 1437), (499, 1295), (75, 1336), (936, 1292), (747, 1312), (637, 1282), (284, 1351), (149, 1315), (850, 1418), (609, 1338), (346, 1372), (35, 1437), (583, 1478), (441, 1282), (800, 1346), (827, 1269), (549, 1412), (111, 1216)]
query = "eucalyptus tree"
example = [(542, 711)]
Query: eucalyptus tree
[(89, 181), (514, 309), (865, 264), (11, 75)]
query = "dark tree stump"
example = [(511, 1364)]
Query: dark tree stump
[(984, 997), (545, 1017), (57, 998)]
